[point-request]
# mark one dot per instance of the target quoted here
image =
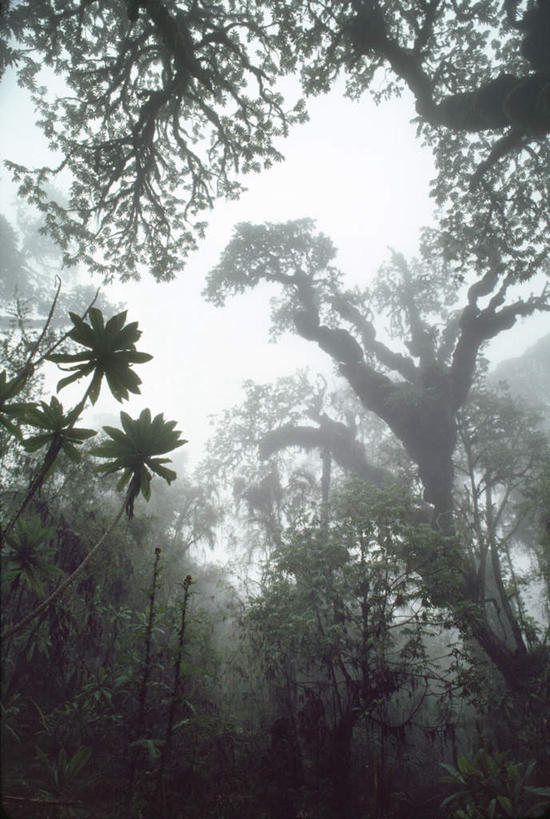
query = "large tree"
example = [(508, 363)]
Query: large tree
[(418, 393), (166, 101), (416, 386)]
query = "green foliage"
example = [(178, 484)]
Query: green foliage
[(29, 557), (505, 437), (290, 253), (133, 451), (343, 643), (527, 376), (59, 429), (399, 284), (10, 412), (111, 352), (65, 771), (162, 152), (290, 246), (491, 786), (343, 595), (165, 103), (142, 179), (386, 520)]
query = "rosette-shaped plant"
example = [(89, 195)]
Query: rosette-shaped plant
[(57, 429), (30, 558), (110, 352), (134, 451)]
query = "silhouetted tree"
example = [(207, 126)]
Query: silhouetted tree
[(162, 149), (418, 393)]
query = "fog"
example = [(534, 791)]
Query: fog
[(281, 549), (366, 187)]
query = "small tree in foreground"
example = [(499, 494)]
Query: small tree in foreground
[(109, 353)]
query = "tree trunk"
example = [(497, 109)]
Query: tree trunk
[(342, 735)]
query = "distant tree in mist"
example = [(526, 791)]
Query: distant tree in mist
[(528, 375), (418, 386), (31, 265)]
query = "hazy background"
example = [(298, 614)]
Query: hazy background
[(357, 169)]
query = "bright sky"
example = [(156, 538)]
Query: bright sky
[(357, 169)]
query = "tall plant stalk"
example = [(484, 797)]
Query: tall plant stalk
[(145, 676), (148, 643), (175, 693), (49, 460)]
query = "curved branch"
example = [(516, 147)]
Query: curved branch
[(394, 361), (421, 344), (369, 34), (176, 38), (347, 452), (520, 103), (477, 326)]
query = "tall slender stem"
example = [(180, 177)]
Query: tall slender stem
[(49, 460), (148, 642), (145, 678), (175, 693)]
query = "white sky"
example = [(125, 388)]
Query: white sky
[(357, 169)]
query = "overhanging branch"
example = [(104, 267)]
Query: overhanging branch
[(347, 452)]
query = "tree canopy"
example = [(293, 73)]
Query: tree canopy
[(387, 526), (417, 393), (164, 104)]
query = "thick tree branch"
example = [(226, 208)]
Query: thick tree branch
[(511, 141), (394, 361), (478, 326), (421, 344), (520, 104), (175, 37), (344, 449), (419, 416), (448, 339), (426, 28), (369, 35)]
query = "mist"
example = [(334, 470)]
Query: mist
[(274, 410)]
